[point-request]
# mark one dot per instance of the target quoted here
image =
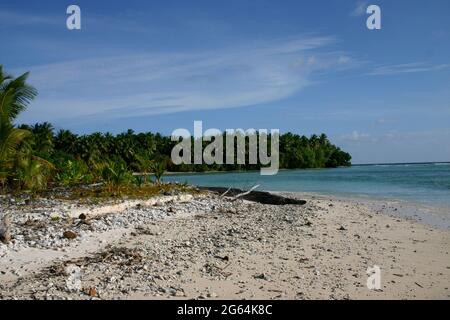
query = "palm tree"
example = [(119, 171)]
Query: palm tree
[(144, 165), (15, 95), (66, 141), (159, 168), (31, 173), (43, 139)]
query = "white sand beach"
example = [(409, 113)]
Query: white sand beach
[(207, 247)]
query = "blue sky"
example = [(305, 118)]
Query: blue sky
[(300, 66)]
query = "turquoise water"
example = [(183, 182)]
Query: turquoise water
[(422, 183)]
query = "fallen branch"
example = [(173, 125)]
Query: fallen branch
[(223, 194), (245, 193)]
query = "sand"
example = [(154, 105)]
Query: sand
[(241, 250)]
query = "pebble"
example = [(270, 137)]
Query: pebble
[(45, 232), (69, 235), (119, 268)]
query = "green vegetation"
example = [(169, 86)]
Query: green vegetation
[(32, 158), (20, 167)]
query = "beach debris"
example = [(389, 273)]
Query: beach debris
[(5, 229), (307, 223), (245, 193), (82, 216), (261, 276), (69, 234), (3, 252), (73, 281), (225, 258), (262, 197), (121, 256), (187, 244), (17, 273), (35, 224), (215, 271), (92, 292), (223, 194), (342, 228)]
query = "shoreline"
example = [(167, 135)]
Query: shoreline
[(362, 185), (397, 208), (206, 247)]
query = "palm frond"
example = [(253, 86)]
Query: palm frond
[(9, 143), (15, 95)]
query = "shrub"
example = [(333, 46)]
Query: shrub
[(73, 172), (158, 168), (116, 174)]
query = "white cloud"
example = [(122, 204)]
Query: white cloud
[(146, 84), (360, 8), (355, 136), (11, 18), (392, 136), (121, 22), (407, 68), (326, 61)]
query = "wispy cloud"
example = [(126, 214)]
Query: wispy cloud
[(359, 9), (357, 137), (407, 68), (12, 18), (123, 22), (146, 84)]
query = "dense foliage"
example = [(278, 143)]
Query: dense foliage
[(33, 156), (138, 150)]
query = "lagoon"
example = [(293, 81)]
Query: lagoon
[(425, 183)]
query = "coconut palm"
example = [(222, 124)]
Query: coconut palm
[(15, 95), (43, 139), (66, 141)]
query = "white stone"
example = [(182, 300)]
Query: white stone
[(73, 281)]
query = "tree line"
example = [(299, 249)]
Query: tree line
[(34, 156)]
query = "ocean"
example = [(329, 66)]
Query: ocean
[(426, 184)]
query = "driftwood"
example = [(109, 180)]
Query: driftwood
[(224, 194), (255, 196), (5, 229), (240, 195)]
